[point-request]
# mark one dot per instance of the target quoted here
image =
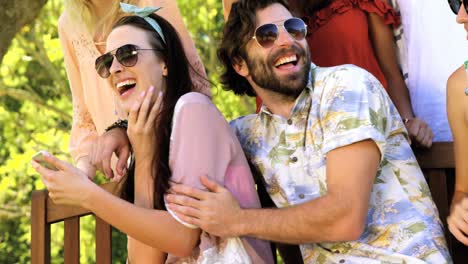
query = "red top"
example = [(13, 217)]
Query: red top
[(339, 34)]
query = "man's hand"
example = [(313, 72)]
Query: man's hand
[(114, 140), (85, 165), (215, 212), (420, 132), (458, 218)]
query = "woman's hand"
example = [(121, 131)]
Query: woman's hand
[(141, 123), (66, 185), (419, 132), (458, 218)]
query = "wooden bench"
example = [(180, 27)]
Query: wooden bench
[(44, 213), (437, 163)]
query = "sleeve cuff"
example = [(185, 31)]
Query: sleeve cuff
[(353, 137), (178, 219)]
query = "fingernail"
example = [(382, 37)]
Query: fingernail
[(160, 93), (151, 89), (143, 94), (45, 153)]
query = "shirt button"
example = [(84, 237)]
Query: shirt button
[(293, 159), (290, 122), (301, 196)]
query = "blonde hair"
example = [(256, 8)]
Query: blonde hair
[(82, 11)]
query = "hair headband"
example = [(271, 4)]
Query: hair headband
[(144, 13)]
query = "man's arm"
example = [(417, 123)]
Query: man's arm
[(340, 215)]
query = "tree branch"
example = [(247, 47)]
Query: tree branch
[(39, 53), (20, 13)]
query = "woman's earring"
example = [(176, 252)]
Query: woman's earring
[(164, 70)]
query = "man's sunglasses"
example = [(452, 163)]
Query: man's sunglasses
[(267, 34), (456, 4), (127, 55)]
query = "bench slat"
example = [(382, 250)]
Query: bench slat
[(72, 241), (439, 156), (103, 242), (40, 230)]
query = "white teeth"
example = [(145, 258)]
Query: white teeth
[(127, 82), (286, 60)]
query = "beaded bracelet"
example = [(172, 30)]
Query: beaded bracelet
[(121, 123)]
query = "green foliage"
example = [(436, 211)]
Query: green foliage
[(35, 114)]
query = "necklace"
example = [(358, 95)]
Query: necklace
[(466, 70)]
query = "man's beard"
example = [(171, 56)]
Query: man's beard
[(289, 86)]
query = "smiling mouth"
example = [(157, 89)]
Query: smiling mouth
[(124, 86), (286, 60)]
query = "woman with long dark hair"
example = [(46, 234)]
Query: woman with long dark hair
[(176, 136), (83, 28)]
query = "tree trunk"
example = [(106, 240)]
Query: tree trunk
[(14, 14)]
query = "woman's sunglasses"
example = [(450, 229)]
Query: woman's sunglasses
[(267, 34), (456, 4), (127, 55)]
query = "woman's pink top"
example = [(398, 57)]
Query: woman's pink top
[(202, 143), (94, 103)]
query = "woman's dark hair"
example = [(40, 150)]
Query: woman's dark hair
[(238, 31), (178, 83)]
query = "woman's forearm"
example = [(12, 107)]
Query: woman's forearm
[(144, 183), (384, 46), (398, 92), (155, 228), (139, 252)]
